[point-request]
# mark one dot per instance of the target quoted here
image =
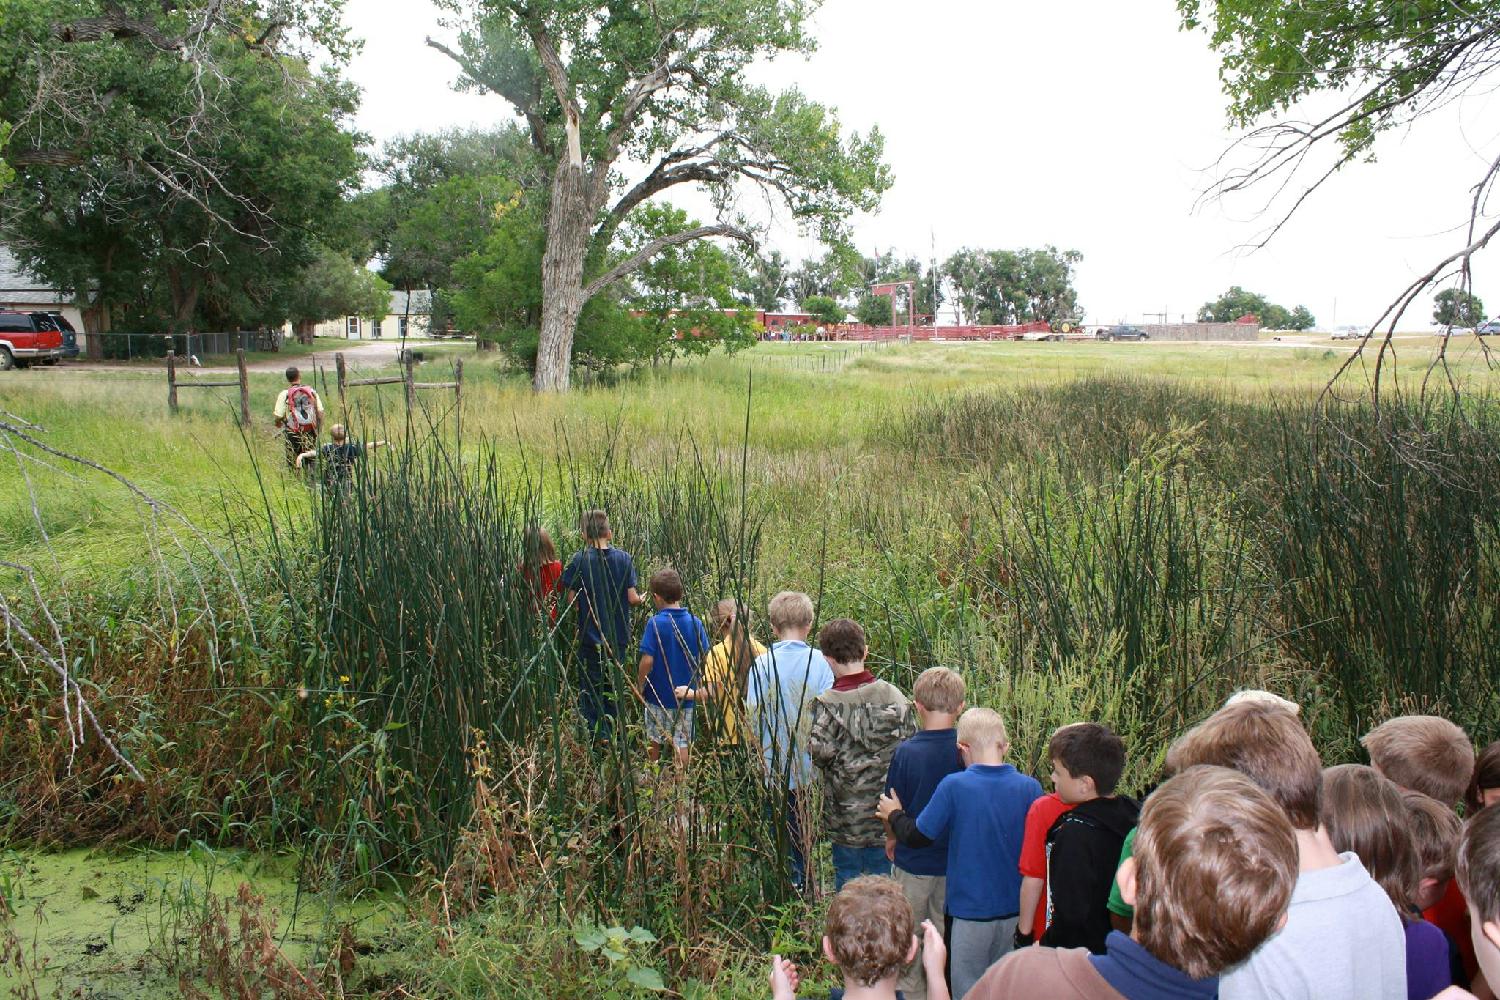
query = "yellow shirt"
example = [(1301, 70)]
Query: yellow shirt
[(718, 670)]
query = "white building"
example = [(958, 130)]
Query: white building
[(22, 291), (409, 315)]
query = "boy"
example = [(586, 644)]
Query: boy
[(779, 693), (856, 727), (1436, 831), (672, 650), (725, 672), (1214, 868), (1039, 819), (339, 455), (917, 767), (1479, 878), (601, 581), (1083, 844), (982, 809), (869, 937), (1343, 939), (298, 412)]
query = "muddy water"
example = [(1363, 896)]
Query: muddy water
[(120, 925)]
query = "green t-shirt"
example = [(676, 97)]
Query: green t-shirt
[(1117, 904)]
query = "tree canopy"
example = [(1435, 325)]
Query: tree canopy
[(1456, 307), (1237, 302), (1014, 286)]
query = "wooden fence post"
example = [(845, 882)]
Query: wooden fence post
[(458, 396), (338, 364), (239, 358), (409, 362), (172, 381)]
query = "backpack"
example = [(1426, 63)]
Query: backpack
[(301, 409)]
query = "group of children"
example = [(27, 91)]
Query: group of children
[(1249, 871)]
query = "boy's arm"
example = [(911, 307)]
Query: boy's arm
[(304, 456), (1031, 895), (642, 672)]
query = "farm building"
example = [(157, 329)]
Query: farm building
[(409, 315), (23, 291)]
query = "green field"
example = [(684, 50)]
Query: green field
[(348, 689)]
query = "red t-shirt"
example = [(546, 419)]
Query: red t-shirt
[(1039, 819), (1451, 915), (545, 588)]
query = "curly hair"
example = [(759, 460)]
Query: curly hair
[(869, 929)]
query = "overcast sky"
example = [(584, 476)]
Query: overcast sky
[(1086, 124)]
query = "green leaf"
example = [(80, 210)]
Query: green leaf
[(647, 979), (642, 936)]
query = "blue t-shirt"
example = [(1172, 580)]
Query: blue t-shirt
[(601, 578), (784, 682), (983, 811), (920, 762), (676, 641)]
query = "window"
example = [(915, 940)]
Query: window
[(375, 328), (401, 326), (353, 322)]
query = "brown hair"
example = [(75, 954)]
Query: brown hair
[(1216, 861), (666, 583), (1435, 833), (595, 525), (842, 640), (939, 690), (1265, 743), (869, 929), (790, 609), (1087, 748), (1486, 775), (292, 374), (537, 548), (1425, 753), (1363, 812), (1479, 864)]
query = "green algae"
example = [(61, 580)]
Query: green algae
[(121, 925)]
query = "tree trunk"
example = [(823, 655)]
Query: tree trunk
[(569, 221)]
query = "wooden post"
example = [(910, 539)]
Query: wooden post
[(338, 364), (409, 361), (458, 396), (239, 358), (172, 381)]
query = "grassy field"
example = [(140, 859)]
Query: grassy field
[(1124, 532)]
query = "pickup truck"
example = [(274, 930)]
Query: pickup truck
[(1122, 332), (24, 339)]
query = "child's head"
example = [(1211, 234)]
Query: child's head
[(666, 586), (868, 934), (1435, 833), (1484, 789), (939, 690), (842, 642), (1363, 812), (537, 545), (1479, 878), (338, 433), (791, 613), (1212, 873), (596, 526), (1425, 753), (727, 613), (981, 734), (292, 374), (1087, 759), (1266, 744), (1255, 694)]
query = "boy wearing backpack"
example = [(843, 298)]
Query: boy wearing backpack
[(299, 413)]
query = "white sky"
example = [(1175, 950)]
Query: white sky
[(1086, 124)]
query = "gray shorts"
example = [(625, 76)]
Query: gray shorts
[(669, 725)]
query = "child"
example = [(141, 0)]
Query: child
[(672, 650), (779, 693), (299, 414), (541, 570), (856, 727), (868, 935), (1083, 844), (1479, 878), (1039, 819), (1214, 867), (982, 809), (917, 768), (724, 673), (600, 579), (1484, 789), (1435, 832), (1425, 753), (338, 456), (1363, 812), (1343, 939)]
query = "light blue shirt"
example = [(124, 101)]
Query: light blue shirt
[(779, 693)]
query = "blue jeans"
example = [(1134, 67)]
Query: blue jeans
[(596, 696), (852, 862)]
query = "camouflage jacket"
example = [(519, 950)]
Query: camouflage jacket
[(854, 734)]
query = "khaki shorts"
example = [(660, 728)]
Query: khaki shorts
[(669, 725)]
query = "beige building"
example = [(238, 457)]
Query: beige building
[(409, 315), (22, 291)]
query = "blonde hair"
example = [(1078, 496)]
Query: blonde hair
[(1255, 694), (982, 727), (1425, 753), (790, 609), (1216, 862), (939, 690), (338, 433)]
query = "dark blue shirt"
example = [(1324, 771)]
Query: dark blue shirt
[(601, 578), (983, 812), (676, 641), (1136, 974), (920, 762)]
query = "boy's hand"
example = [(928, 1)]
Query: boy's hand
[(934, 952), (889, 803), (890, 849), (783, 979), (681, 692)]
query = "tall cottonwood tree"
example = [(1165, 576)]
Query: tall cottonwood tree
[(656, 91)]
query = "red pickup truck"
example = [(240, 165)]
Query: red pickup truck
[(24, 340)]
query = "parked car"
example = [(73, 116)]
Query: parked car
[(1349, 333), (1122, 332), (25, 339), (1487, 329), (69, 335)]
